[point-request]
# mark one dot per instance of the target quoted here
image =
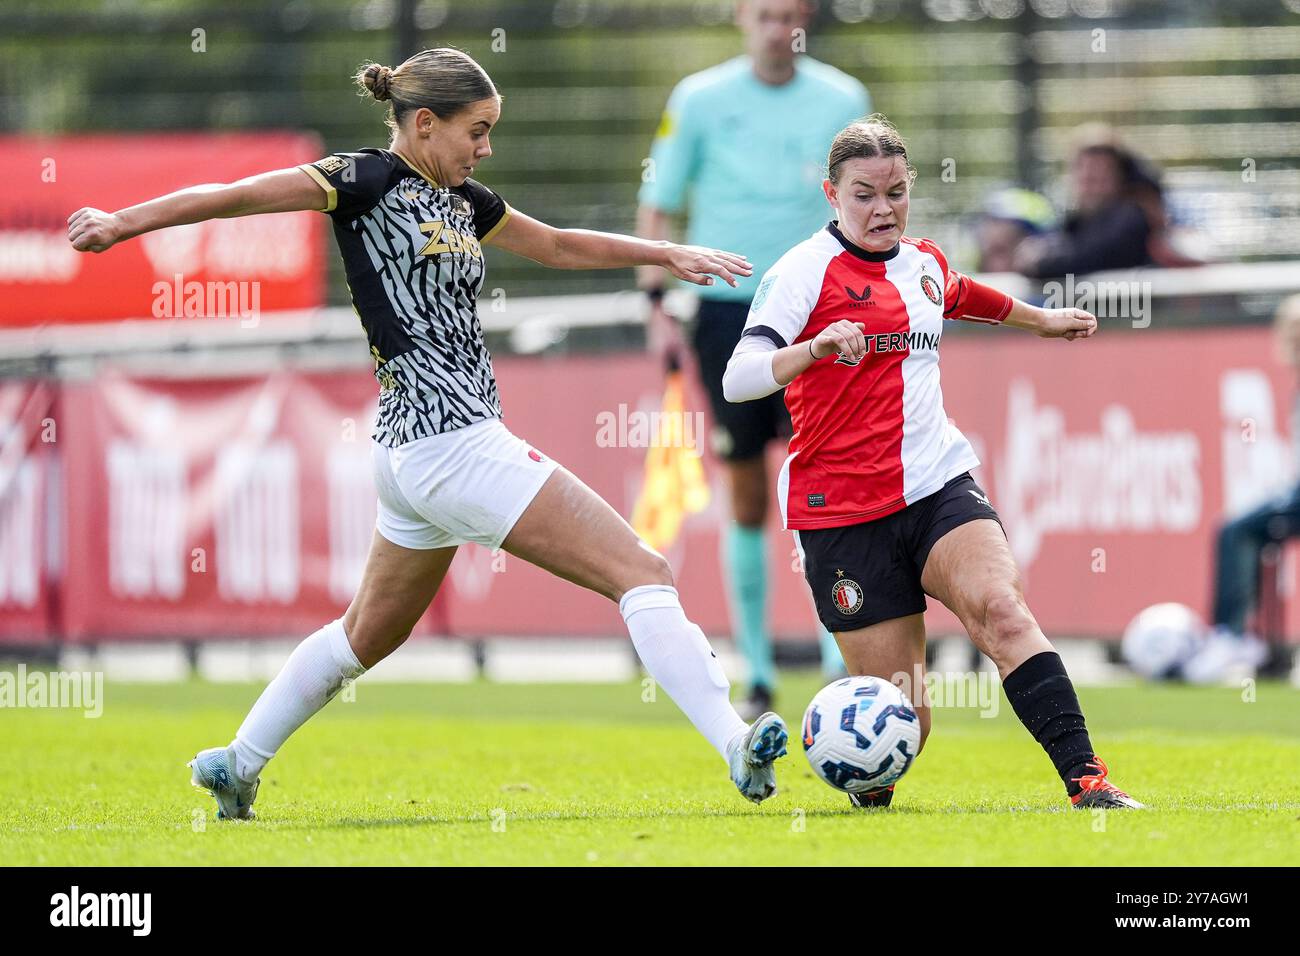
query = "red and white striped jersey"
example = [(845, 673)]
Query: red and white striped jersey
[(869, 438)]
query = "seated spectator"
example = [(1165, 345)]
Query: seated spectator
[(1241, 542), (1117, 220)]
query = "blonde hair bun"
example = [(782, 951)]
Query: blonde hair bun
[(377, 79), (444, 80)]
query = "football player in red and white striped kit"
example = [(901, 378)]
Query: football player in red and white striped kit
[(877, 486)]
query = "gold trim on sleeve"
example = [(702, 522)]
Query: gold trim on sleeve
[(331, 194), (500, 222)]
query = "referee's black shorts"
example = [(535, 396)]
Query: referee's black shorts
[(862, 574), (740, 431)]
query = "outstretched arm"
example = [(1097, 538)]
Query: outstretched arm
[(1066, 324), (759, 366), (584, 249), (964, 298), (284, 190)]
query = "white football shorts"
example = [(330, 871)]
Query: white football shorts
[(471, 484)]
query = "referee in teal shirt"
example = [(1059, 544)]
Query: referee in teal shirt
[(741, 150)]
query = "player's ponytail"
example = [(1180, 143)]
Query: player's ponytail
[(864, 139), (443, 80)]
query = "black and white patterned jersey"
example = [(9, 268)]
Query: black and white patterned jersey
[(414, 261)]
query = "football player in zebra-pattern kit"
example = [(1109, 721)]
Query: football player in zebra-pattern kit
[(410, 224)]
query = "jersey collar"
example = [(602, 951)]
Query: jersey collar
[(833, 227), (417, 170)]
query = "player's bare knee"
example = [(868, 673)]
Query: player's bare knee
[(657, 570), (372, 645), (649, 567), (1004, 619)]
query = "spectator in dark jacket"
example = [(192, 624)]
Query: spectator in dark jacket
[(1118, 210)]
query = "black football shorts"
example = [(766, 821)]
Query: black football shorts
[(741, 430), (862, 574)]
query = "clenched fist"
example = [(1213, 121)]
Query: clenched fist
[(844, 337), (93, 230)]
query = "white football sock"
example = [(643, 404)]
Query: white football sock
[(677, 655), (310, 678)]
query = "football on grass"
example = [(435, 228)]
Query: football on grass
[(861, 733)]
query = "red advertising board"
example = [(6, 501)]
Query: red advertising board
[(1113, 461), (29, 469), (233, 506), (245, 506), (277, 261)]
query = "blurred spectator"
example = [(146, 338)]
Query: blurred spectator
[(1118, 220), (1009, 216), (1242, 540)]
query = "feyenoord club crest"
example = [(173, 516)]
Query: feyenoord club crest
[(847, 595), (931, 289), (843, 359)]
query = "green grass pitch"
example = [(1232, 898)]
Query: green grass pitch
[(592, 775)]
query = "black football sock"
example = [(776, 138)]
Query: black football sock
[(1043, 698)]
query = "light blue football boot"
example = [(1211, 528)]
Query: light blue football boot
[(752, 759), (214, 771)]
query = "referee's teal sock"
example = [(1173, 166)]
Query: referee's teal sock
[(745, 557)]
